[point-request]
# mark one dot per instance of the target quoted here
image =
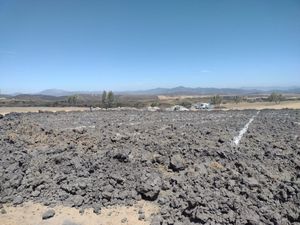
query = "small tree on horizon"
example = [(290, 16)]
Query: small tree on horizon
[(103, 98), (110, 99)]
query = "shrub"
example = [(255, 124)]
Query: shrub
[(186, 104)]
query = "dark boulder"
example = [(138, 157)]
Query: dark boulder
[(121, 155), (149, 186)]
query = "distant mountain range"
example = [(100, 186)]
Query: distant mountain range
[(59, 92), (180, 90)]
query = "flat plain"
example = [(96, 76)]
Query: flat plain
[(6, 110)]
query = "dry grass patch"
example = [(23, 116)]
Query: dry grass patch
[(263, 105), (6, 110)]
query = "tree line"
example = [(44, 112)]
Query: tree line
[(108, 99), (273, 97)]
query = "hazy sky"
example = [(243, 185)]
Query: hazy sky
[(130, 45)]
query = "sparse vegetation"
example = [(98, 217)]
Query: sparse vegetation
[(138, 101), (154, 104), (103, 100), (185, 104), (237, 99), (216, 100)]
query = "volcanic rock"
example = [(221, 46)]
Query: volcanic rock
[(177, 163), (48, 214), (149, 186)]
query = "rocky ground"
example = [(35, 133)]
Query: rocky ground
[(185, 162)]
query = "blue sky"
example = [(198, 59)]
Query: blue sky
[(140, 44)]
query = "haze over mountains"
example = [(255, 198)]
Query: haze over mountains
[(181, 90)]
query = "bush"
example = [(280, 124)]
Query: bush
[(275, 97), (186, 104), (154, 104), (72, 99)]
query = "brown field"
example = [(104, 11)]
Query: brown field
[(181, 97), (263, 105), (6, 110)]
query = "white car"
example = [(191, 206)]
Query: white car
[(202, 106)]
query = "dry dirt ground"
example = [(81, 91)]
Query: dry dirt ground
[(263, 105), (31, 214), (208, 167), (181, 97), (5, 110)]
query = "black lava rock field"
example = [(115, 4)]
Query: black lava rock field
[(186, 162)]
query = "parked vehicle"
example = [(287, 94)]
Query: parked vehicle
[(202, 106)]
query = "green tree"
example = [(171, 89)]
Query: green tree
[(216, 100), (154, 104), (110, 99), (275, 97), (186, 104), (72, 99), (103, 100)]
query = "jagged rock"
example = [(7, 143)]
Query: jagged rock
[(177, 163), (77, 200), (48, 214), (3, 211), (141, 216), (149, 186), (157, 220), (35, 193), (184, 161), (18, 200), (121, 155), (97, 209), (124, 220)]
